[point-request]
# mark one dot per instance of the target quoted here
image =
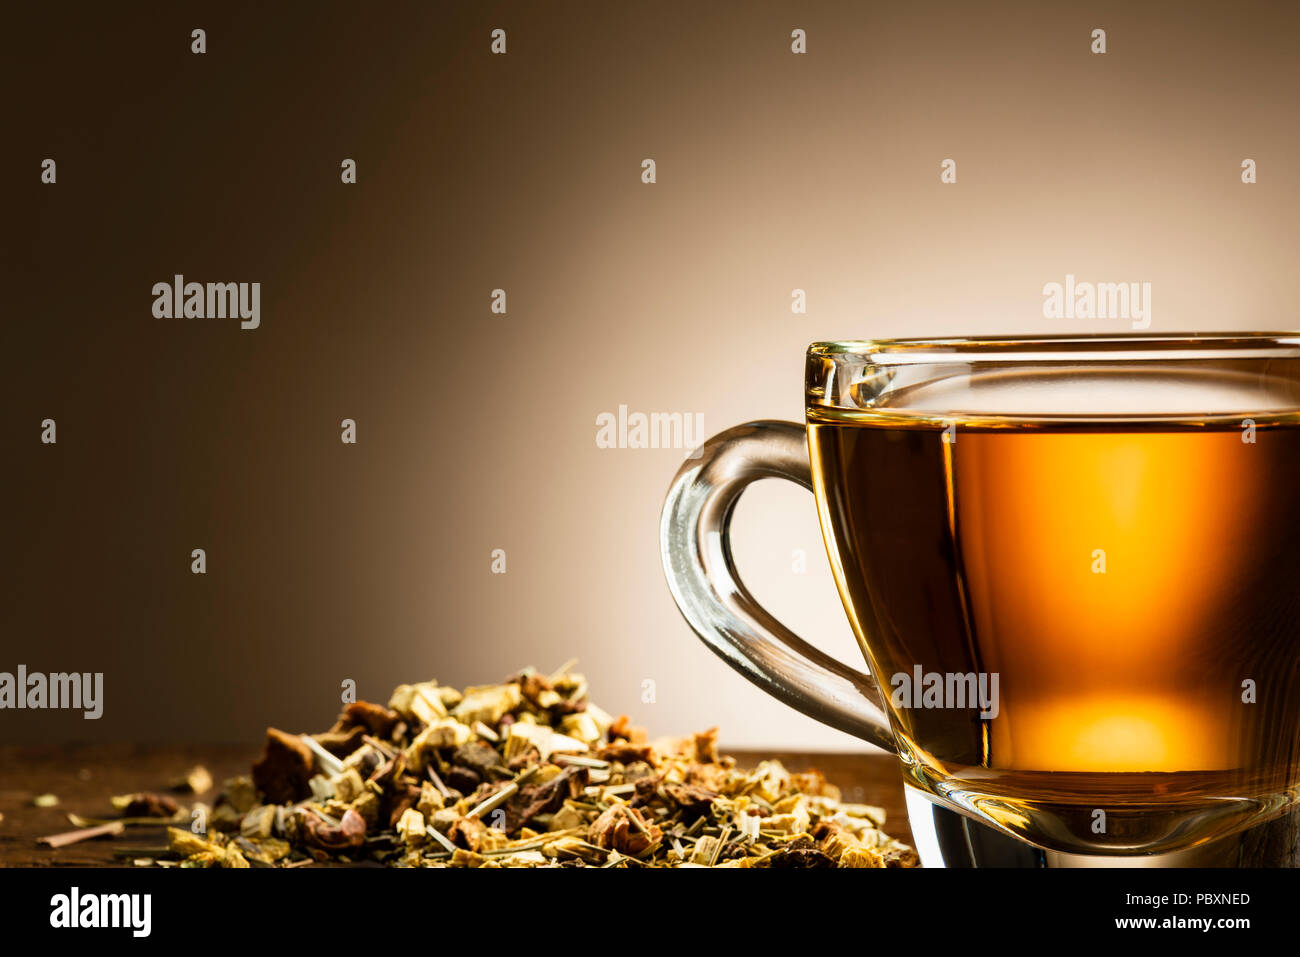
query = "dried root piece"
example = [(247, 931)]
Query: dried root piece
[(623, 829), (285, 768), (146, 804), (319, 832)]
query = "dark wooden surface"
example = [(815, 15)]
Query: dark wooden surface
[(84, 778)]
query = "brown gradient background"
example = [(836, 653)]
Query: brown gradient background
[(775, 171)]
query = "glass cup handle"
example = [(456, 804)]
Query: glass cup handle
[(695, 542)]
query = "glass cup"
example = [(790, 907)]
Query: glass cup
[(1071, 566)]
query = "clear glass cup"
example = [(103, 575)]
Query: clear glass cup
[(1070, 564)]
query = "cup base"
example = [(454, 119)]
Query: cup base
[(944, 837)]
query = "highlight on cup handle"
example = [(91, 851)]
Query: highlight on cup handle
[(695, 544)]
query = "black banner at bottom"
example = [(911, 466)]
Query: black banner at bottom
[(368, 904)]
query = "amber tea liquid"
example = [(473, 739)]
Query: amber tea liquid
[(1134, 585)]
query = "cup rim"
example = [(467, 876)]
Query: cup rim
[(1107, 347)]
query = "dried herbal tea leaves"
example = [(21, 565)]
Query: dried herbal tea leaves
[(525, 773)]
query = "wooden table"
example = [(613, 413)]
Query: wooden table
[(85, 777)]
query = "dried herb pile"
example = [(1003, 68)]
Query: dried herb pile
[(526, 773)]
